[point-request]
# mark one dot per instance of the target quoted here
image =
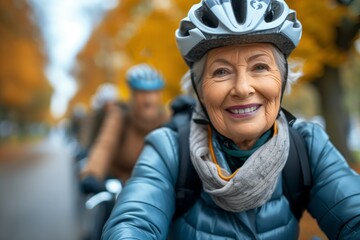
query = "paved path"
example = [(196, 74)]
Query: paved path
[(38, 194)]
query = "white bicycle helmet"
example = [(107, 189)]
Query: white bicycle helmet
[(106, 92), (143, 77), (216, 23)]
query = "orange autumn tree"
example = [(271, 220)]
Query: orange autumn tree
[(25, 91), (329, 31), (136, 31), (102, 57)]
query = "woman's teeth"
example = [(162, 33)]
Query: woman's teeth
[(243, 110)]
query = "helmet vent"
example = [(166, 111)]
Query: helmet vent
[(292, 18), (269, 16), (185, 27), (239, 8), (207, 17), (274, 11)]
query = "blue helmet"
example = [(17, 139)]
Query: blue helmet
[(143, 77)]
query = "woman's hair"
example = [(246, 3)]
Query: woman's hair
[(293, 73), (197, 71)]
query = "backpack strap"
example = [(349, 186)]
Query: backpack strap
[(188, 185), (296, 173), (182, 107)]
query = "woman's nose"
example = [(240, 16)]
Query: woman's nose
[(242, 86)]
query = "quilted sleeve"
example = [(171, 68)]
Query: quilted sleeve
[(335, 193), (145, 207)]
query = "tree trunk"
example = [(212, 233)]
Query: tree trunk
[(333, 110)]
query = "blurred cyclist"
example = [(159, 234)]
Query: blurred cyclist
[(122, 133)]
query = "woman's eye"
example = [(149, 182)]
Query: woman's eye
[(220, 72), (261, 67)]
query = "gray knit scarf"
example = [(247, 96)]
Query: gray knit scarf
[(254, 182)]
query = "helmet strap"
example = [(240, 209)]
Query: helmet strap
[(285, 80), (198, 96), (283, 85)]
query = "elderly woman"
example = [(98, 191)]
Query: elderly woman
[(239, 139)]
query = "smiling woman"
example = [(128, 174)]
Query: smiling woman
[(239, 141)]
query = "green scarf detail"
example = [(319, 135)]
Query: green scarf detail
[(234, 155)]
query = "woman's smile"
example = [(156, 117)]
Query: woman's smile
[(243, 111)]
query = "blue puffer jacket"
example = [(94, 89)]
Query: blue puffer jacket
[(146, 205)]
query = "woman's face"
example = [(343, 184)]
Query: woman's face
[(241, 91)]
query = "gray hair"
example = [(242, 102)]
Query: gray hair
[(294, 73)]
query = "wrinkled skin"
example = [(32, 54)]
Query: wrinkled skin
[(241, 91)]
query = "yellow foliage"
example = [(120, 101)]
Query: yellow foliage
[(99, 60), (25, 91), (184, 6), (318, 44), (21, 74), (11, 96)]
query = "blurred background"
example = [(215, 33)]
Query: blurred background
[(54, 54)]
